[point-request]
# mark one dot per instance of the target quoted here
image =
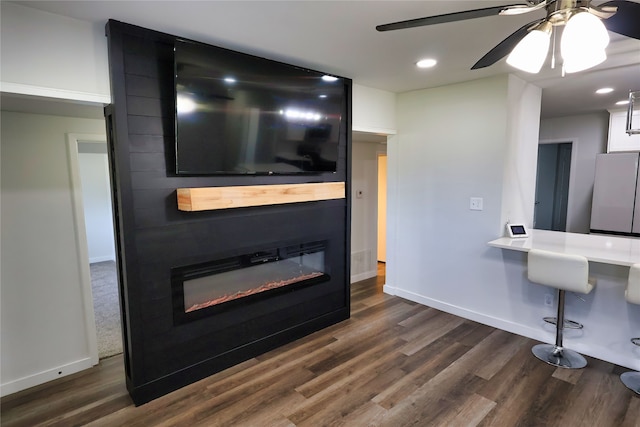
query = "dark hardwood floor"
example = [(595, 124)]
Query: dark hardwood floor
[(394, 363)]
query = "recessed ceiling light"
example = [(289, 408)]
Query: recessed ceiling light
[(426, 63), (604, 90), (623, 102)]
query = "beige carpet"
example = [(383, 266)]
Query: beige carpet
[(104, 283)]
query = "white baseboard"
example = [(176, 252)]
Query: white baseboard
[(485, 319), (102, 258), (363, 276), (45, 376), (538, 334)]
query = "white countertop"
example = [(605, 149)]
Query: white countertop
[(597, 248)]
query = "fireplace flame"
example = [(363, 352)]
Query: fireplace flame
[(245, 293)]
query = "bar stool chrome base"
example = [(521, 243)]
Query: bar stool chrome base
[(631, 380), (559, 356)]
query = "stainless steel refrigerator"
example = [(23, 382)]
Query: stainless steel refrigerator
[(616, 194)]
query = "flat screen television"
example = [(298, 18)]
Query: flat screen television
[(241, 114)]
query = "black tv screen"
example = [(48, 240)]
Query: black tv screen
[(241, 114)]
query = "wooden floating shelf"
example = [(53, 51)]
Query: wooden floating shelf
[(213, 198)]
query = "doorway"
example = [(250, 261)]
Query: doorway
[(552, 186), (382, 207), (94, 213)]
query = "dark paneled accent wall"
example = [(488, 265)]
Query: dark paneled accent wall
[(153, 236)]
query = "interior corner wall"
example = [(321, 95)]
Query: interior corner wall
[(452, 144), (589, 133), (364, 178), (43, 327), (455, 142), (50, 55)]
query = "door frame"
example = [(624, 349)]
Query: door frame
[(81, 236)]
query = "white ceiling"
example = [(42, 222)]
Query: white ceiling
[(339, 37)]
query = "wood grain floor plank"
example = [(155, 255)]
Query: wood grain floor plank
[(469, 413), (569, 375), (439, 326), (503, 347), (632, 415), (515, 387), (375, 324), (368, 415), (428, 368), (420, 318), (436, 400), (597, 396), (356, 373), (275, 398), (342, 370), (339, 392), (470, 333), (547, 406), (351, 397), (415, 324)]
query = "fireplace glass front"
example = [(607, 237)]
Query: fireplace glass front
[(203, 289)]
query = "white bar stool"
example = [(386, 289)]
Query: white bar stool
[(632, 295), (566, 273)]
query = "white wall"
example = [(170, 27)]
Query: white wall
[(43, 330), (364, 218), (45, 54), (588, 132), (374, 119), (96, 198), (451, 145), (373, 110), (521, 151), (463, 140)]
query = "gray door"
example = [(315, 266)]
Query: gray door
[(552, 186)]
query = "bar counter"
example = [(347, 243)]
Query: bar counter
[(605, 249)]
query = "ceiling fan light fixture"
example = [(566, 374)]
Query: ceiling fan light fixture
[(583, 42), (531, 52)]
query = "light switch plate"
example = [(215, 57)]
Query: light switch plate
[(475, 203)]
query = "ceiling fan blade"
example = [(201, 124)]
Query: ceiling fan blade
[(626, 21), (447, 17), (505, 46)]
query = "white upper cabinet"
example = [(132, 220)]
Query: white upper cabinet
[(619, 140)]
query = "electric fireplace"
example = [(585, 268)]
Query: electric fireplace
[(204, 289)]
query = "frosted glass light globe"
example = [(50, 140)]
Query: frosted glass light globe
[(529, 55), (583, 42)]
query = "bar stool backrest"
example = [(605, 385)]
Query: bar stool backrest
[(633, 286), (561, 271)]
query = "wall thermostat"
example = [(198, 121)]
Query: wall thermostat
[(517, 230)]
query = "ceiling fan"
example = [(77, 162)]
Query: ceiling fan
[(528, 46)]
